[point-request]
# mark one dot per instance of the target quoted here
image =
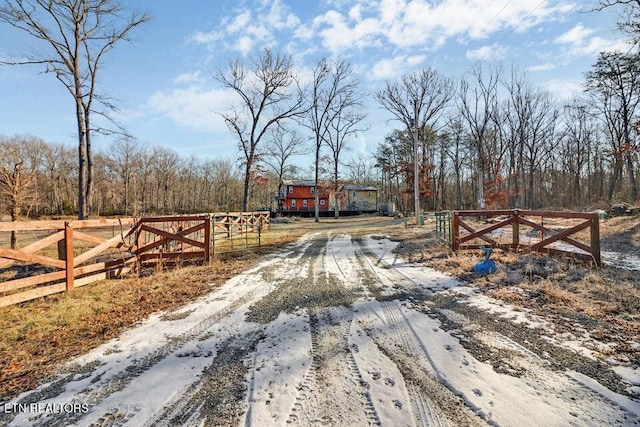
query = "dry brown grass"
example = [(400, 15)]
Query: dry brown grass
[(39, 335)]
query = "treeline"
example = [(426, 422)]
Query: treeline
[(39, 178), (500, 142)]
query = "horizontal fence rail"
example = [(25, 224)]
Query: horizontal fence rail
[(172, 239), (525, 231), (238, 231), (58, 256), (82, 252)]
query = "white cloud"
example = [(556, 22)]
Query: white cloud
[(413, 23), (240, 22), (244, 45), (487, 53), (388, 68), (193, 77), (280, 17), (206, 38), (397, 66), (337, 34), (579, 42), (542, 67), (193, 107), (416, 59), (563, 89), (249, 28), (576, 35)]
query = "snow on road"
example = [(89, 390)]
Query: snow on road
[(334, 330)]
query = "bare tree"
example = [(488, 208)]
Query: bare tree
[(458, 152), (16, 186), (124, 159), (347, 123), (478, 106), (333, 94), (57, 164), (360, 171), (165, 169), (269, 95), (417, 102), (430, 90), (75, 35), (615, 84), (530, 117), (609, 3), (395, 157), (579, 143), (630, 18), (281, 146)]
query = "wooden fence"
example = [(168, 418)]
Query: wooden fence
[(545, 232), (58, 256), (75, 261), (238, 231), (172, 239)]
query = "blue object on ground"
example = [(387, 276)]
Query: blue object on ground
[(485, 267), (488, 265)]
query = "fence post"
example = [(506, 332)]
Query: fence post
[(213, 235), (449, 229), (68, 249), (246, 235), (207, 239), (595, 238), (515, 229), (454, 231), (138, 244)]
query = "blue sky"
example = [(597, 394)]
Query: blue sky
[(163, 79)]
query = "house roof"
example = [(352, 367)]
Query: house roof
[(360, 188), (298, 183)]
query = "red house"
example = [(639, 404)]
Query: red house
[(299, 196)]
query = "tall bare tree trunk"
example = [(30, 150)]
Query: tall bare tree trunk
[(82, 161), (632, 178), (245, 191)]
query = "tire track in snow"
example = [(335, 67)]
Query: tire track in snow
[(305, 410), (331, 248), (205, 402), (369, 409), (430, 398), (423, 408)]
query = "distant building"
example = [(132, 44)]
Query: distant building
[(359, 198), (299, 196)]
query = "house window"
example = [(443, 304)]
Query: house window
[(369, 194), (312, 190), (354, 194), (290, 189), (304, 202), (321, 202), (293, 202)]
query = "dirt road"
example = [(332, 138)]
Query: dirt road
[(334, 330)]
